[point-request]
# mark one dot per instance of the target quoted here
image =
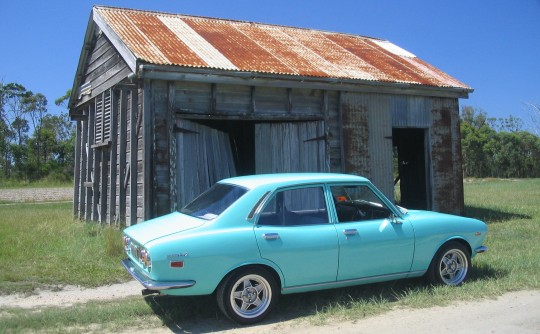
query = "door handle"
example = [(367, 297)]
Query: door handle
[(349, 232), (271, 236)]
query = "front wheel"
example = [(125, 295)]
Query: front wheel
[(450, 265), (247, 295)]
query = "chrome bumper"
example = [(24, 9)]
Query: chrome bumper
[(480, 249), (151, 284)]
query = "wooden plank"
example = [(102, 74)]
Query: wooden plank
[(172, 147), (90, 161), (83, 167), (113, 168), (121, 216), (104, 180), (77, 172), (148, 158), (133, 158)]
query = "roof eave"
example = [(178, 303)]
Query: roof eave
[(182, 73)]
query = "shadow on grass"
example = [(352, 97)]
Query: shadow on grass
[(201, 314), (492, 216)]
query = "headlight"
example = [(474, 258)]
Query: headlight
[(127, 243), (144, 258)]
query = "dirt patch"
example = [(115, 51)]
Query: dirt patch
[(516, 312)]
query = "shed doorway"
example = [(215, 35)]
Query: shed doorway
[(210, 150), (411, 162)]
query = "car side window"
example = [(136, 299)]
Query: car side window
[(293, 207), (357, 203)]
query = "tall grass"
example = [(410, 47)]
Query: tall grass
[(41, 245)]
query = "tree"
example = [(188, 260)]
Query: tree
[(534, 109)]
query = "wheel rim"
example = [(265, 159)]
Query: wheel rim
[(250, 296), (453, 267)]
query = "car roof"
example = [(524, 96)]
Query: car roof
[(284, 179)]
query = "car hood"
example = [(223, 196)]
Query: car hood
[(162, 226), (437, 218)]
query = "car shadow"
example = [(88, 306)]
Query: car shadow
[(492, 216), (201, 314)]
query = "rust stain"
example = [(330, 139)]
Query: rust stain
[(356, 139), (255, 47)]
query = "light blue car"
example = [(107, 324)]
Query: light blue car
[(251, 238)]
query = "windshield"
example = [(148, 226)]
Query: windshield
[(214, 201)]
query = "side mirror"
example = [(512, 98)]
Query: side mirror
[(394, 219)]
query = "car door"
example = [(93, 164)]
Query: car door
[(370, 242), (294, 232)]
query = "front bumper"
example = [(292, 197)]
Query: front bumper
[(150, 284)]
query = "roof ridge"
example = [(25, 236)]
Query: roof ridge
[(201, 17)]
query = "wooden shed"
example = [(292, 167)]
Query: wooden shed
[(167, 104)]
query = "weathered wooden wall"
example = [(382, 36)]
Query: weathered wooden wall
[(131, 157)]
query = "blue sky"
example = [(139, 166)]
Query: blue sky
[(491, 45)]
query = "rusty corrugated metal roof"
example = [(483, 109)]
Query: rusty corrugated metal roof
[(172, 39)]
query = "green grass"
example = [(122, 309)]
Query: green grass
[(510, 207), (41, 245), (45, 183)]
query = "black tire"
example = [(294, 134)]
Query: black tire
[(450, 265), (247, 295)]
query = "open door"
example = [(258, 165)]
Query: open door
[(290, 147), (204, 156), (412, 167)]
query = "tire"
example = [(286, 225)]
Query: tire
[(247, 295), (450, 265)]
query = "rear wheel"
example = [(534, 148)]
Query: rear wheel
[(450, 265), (247, 295)]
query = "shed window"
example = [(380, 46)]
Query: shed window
[(103, 117)]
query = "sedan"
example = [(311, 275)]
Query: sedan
[(250, 239)]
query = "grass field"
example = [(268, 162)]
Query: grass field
[(40, 245)]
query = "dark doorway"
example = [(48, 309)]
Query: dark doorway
[(242, 139), (411, 167)]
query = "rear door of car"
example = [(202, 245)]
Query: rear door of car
[(294, 232), (371, 243)]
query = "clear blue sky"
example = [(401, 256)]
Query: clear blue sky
[(491, 45)]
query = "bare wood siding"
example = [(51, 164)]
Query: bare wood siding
[(104, 69)]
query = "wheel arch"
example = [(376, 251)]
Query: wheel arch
[(273, 271)]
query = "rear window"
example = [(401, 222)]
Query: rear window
[(214, 201)]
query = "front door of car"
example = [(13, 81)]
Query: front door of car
[(371, 242), (294, 232)]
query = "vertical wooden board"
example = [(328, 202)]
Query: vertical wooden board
[(90, 162), (104, 180), (148, 140), (203, 158), (83, 167), (77, 173), (122, 153), (113, 168), (133, 110), (290, 147), (380, 142), (172, 147)]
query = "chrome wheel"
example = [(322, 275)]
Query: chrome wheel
[(450, 265), (250, 296), (453, 267)]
